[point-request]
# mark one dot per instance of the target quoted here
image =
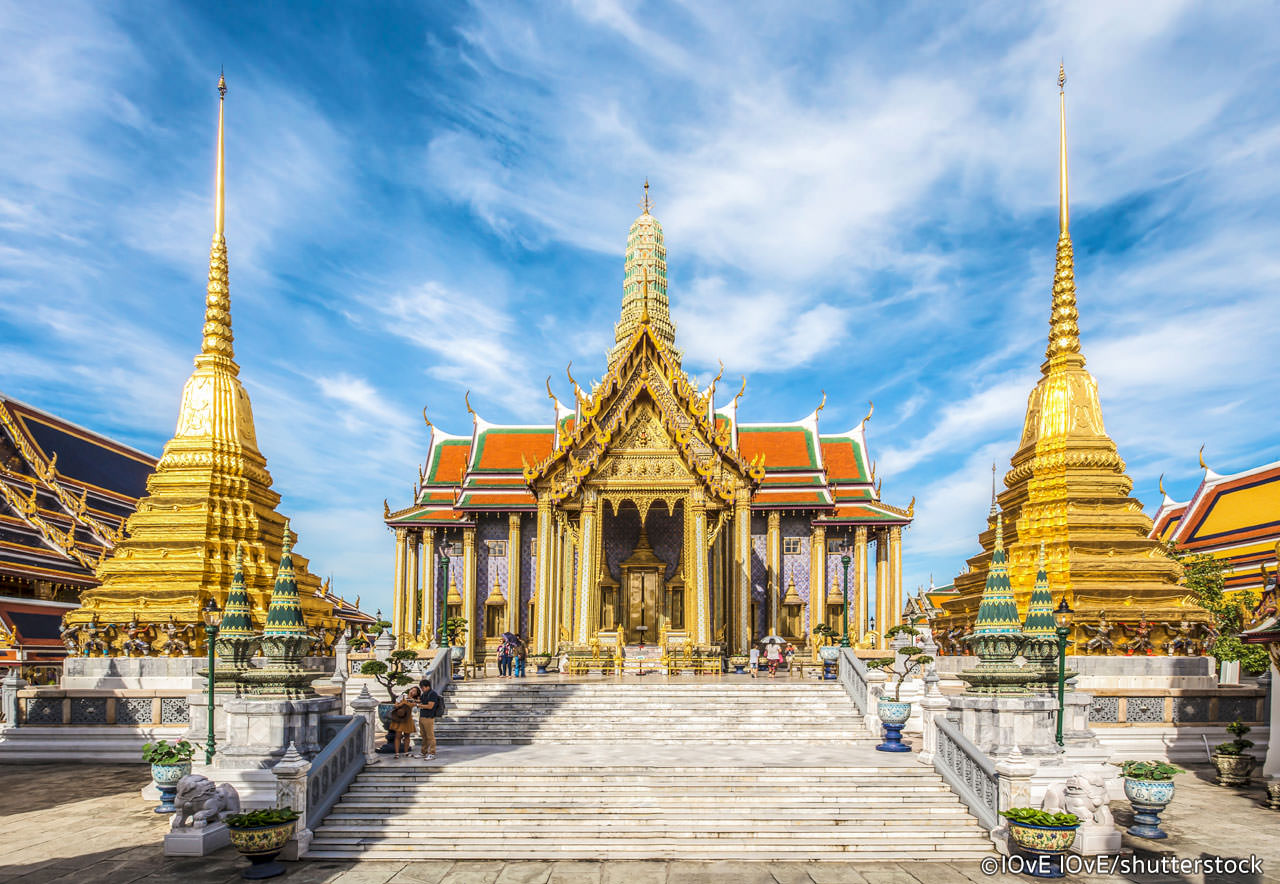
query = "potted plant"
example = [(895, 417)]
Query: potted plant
[(893, 714), (452, 631), (1042, 834), (828, 651), (1149, 787), (169, 762), (738, 662), (390, 675), (542, 661), (259, 835), (1234, 766)]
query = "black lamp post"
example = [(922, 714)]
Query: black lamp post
[(1062, 626), (844, 560), (443, 591), (212, 616)]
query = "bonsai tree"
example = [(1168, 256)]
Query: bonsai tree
[(390, 675), (1238, 744), (827, 634), (913, 658), (453, 629), (162, 752), (1149, 770)]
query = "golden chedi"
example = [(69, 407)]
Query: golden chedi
[(1067, 491), (209, 493)]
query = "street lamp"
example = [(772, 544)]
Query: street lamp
[(1062, 626), (844, 560), (212, 616), (443, 590)]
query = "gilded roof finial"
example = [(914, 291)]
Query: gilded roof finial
[(644, 311), (217, 339), (1203, 465), (992, 513), (1064, 332), (645, 203), (1160, 485)]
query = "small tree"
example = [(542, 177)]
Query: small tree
[(1203, 576), (826, 633), (453, 629), (1238, 743), (913, 658), (390, 675)]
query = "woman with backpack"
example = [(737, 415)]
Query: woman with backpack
[(401, 721)]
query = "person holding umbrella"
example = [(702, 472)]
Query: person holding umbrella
[(772, 652)]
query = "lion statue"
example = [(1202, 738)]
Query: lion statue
[(1085, 796), (204, 802)]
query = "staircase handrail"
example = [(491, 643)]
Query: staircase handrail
[(852, 674), (333, 770), (969, 772), (440, 671)]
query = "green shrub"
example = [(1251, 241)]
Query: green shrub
[(1149, 770), (1237, 729), (271, 816), (161, 752), (1034, 817)]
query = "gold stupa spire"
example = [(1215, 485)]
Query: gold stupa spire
[(644, 284), (210, 491), (1066, 490)]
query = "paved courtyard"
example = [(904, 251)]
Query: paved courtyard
[(86, 823)]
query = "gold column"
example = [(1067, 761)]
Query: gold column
[(701, 581), (513, 573), (773, 546), (475, 624), (411, 594), (860, 601), (586, 564), (895, 573), (398, 586), (428, 613), (542, 581), (817, 582), (882, 584), (565, 589), (742, 570)]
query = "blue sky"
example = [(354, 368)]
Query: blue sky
[(429, 198)]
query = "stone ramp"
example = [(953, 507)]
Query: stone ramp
[(745, 791)]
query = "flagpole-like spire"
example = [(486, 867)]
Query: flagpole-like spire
[(1064, 331), (218, 340)]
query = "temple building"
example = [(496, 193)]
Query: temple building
[(1235, 519), (210, 491), (1067, 491), (646, 508)]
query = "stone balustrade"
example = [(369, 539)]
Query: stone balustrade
[(128, 708)]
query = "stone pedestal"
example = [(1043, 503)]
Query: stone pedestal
[(291, 792), (999, 725), (152, 673), (197, 842), (259, 731), (1271, 761)]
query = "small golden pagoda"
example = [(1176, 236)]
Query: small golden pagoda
[(209, 493), (1067, 490)]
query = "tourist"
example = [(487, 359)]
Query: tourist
[(773, 656), (504, 658), (521, 658), (401, 721), (430, 707), (754, 665)]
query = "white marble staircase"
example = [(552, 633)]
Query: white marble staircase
[(698, 770)]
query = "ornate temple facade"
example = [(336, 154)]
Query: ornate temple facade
[(1234, 518), (645, 509), (209, 493), (1067, 492)]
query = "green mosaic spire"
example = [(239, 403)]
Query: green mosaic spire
[(1040, 612), (237, 619), (284, 617), (998, 611)]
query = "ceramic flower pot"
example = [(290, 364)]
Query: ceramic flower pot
[(1049, 842), (1148, 798), (893, 714), (166, 777), (1234, 770), (829, 653), (456, 652), (261, 844), (739, 664)]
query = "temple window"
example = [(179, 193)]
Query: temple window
[(497, 547), (791, 546), (835, 546)]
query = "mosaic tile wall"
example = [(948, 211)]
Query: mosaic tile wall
[(490, 567), (666, 533), (620, 535), (796, 566), (528, 539), (759, 570)]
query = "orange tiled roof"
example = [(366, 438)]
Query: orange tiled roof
[(783, 447), (500, 449)]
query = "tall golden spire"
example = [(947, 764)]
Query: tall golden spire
[(1064, 331), (217, 303), (211, 491)]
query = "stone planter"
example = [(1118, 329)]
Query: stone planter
[(893, 714), (542, 662), (260, 845), (1045, 846), (739, 664), (1148, 798), (166, 777), (1234, 770)]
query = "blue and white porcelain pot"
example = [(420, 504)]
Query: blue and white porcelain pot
[(1149, 793), (893, 711), (829, 653), (166, 777)]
